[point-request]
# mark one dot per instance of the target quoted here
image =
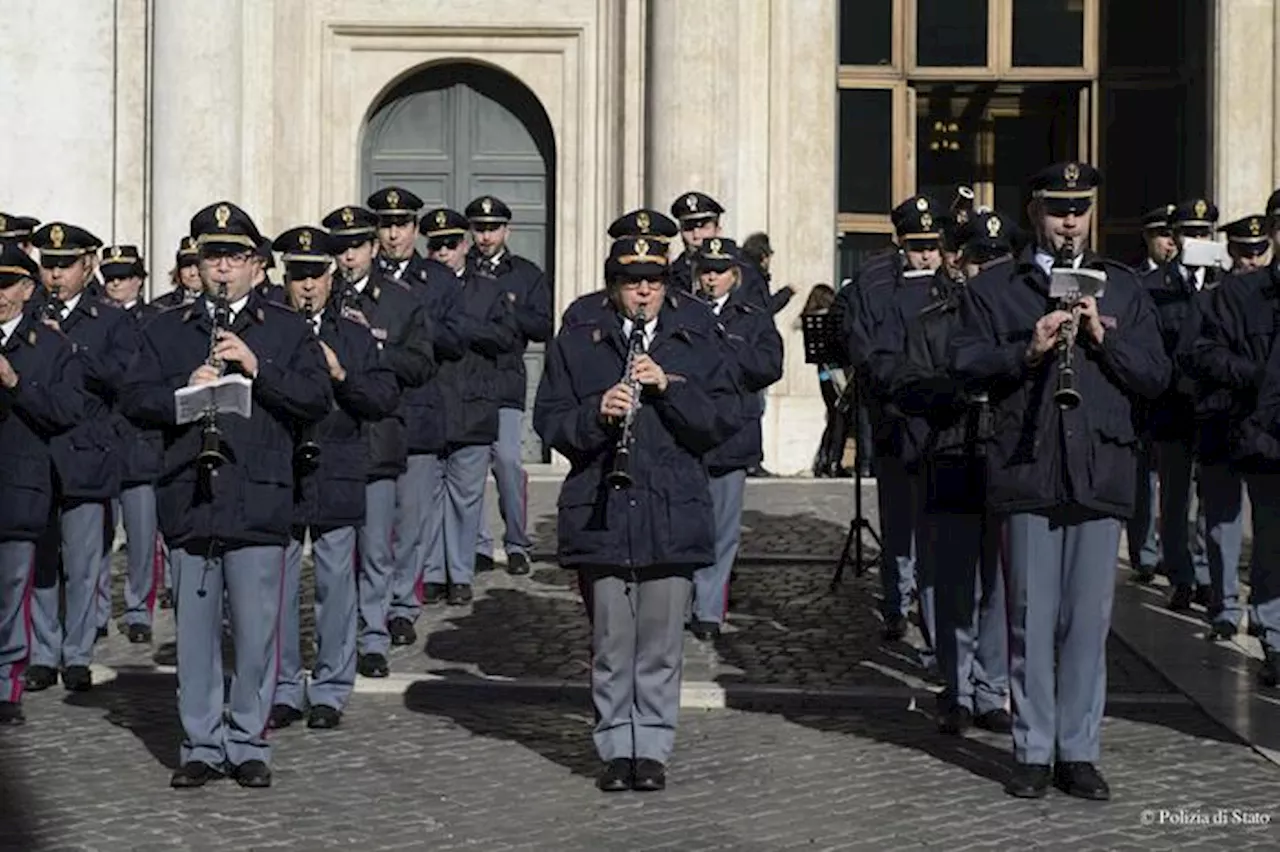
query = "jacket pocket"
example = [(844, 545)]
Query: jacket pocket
[(267, 506), (1114, 465), (583, 530)]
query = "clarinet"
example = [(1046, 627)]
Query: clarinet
[(53, 307), (1065, 394), (620, 475), (211, 456), (308, 448)]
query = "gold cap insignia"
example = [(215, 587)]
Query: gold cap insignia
[(1071, 174), (304, 240), (486, 205), (1200, 208), (1255, 227), (715, 246), (4, 224), (393, 199), (922, 204), (223, 216), (1169, 208), (56, 236), (926, 220), (642, 246), (642, 221), (993, 226), (115, 252), (691, 201), (348, 218), (441, 218)]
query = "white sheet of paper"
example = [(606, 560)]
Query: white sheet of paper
[(1065, 281), (231, 394)]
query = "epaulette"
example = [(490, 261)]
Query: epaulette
[(92, 310), (32, 336)]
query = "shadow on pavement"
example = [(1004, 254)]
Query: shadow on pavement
[(18, 810), (142, 703)]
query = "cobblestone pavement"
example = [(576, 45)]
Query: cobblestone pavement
[(445, 766)]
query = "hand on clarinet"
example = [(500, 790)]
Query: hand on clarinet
[(615, 403), (203, 375), (1088, 318), (646, 371), (1045, 335), (230, 349), (336, 370)]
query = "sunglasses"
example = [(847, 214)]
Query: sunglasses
[(437, 243)]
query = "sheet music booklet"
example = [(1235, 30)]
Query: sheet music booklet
[(231, 394)]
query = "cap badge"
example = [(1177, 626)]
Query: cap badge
[(715, 246), (1071, 174), (1201, 208), (691, 201), (56, 236), (642, 221), (393, 199), (926, 220), (222, 215), (486, 205), (441, 218), (993, 226), (348, 218), (642, 247), (304, 240), (115, 252), (1255, 227), (922, 204), (1169, 208), (4, 224)]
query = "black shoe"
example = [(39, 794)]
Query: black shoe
[(188, 776), (1180, 600), (1203, 595), (484, 562), (39, 678), (139, 634), (997, 721), (11, 713), (705, 630), (1269, 676), (758, 472), (102, 633), (615, 776), (1028, 781), (402, 632), (282, 716), (1222, 630), (324, 717), (460, 595), (895, 627), (955, 720), (517, 565), (166, 599), (1144, 576), (650, 776), (373, 665), (252, 773), (77, 678), (434, 593), (1082, 780)]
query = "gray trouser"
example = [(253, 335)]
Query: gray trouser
[(899, 495), (1060, 575), (253, 578), (637, 653), (1184, 562), (711, 582), (102, 592), (334, 674), (451, 555), (17, 570), (419, 516), (513, 487), (138, 507), (1222, 495), (77, 530), (377, 565), (1144, 543), (1264, 576), (971, 636)]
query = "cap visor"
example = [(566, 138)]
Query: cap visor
[(298, 270), (120, 270), (638, 271), (1062, 207)]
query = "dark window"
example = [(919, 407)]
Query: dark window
[(1049, 33), (852, 250), (1134, 37), (866, 32), (866, 150), (945, 145), (1139, 172), (951, 33)]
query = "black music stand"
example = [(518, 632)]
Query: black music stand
[(824, 344)]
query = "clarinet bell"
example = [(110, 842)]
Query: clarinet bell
[(308, 452), (211, 456), (1066, 395), (620, 477)]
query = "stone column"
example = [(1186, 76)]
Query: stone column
[(197, 118), (1244, 63)]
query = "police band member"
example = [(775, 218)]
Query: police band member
[(1061, 478), (123, 273), (527, 288), (185, 277), (402, 331), (949, 422), (754, 352), (85, 462), (398, 258), (699, 218), (637, 546), (18, 229), (330, 468), (41, 397), (227, 519), (1247, 243)]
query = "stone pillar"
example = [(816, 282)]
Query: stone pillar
[(1244, 86), (197, 118)]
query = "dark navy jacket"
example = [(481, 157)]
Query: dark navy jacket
[(141, 447), (1044, 458), (329, 492), (402, 331), (89, 459), (664, 519), (252, 495), (486, 323), (48, 401), (754, 351), (1235, 325), (172, 299), (1171, 417), (530, 294), (425, 407)]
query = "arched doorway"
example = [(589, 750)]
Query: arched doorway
[(456, 131)]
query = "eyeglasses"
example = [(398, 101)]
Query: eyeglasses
[(438, 243), (233, 257)]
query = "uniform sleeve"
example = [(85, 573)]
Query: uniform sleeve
[(104, 371), (701, 411), (1133, 352), (146, 395), (922, 382), (298, 387), (411, 356), (758, 353), (886, 350), (447, 320), (370, 390), (52, 405), (976, 351), (567, 424), (1212, 354), (497, 333), (533, 312)]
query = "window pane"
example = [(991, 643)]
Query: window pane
[(1138, 175), (866, 32), (1134, 37), (866, 150), (946, 144), (951, 32), (1048, 33), (852, 250)]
